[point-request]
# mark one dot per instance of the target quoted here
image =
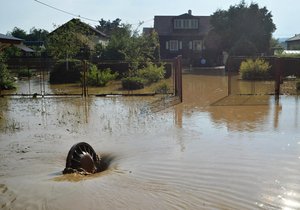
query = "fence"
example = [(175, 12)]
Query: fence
[(38, 85), (257, 92), (178, 77)]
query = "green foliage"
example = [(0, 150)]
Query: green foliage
[(127, 45), (67, 40), (60, 74), (253, 23), (162, 88), (151, 73), (108, 27), (243, 47), (34, 39), (6, 81), (132, 83), (255, 69), (12, 51), (25, 73), (100, 78), (18, 33), (37, 35), (141, 49), (117, 43), (34, 34)]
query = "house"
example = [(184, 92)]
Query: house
[(7, 41), (84, 30), (293, 43), (182, 35)]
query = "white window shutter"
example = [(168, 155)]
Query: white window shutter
[(167, 45), (190, 45), (180, 45)]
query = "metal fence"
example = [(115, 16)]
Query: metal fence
[(258, 92), (38, 84)]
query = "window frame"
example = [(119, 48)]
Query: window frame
[(173, 45)]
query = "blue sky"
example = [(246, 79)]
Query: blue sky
[(26, 14)]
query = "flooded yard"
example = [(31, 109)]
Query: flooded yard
[(194, 155)]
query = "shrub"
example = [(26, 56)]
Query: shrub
[(6, 81), (162, 88), (100, 78), (60, 73), (151, 73), (255, 69), (132, 83), (25, 73)]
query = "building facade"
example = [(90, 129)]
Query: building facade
[(293, 43), (182, 35)]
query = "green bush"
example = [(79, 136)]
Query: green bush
[(100, 78), (162, 88), (133, 83), (255, 69), (25, 73), (6, 81), (151, 73), (60, 73)]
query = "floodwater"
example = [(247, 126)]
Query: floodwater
[(194, 155)]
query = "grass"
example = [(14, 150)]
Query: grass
[(113, 87)]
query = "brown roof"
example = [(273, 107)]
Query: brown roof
[(163, 25), (90, 28), (9, 39), (25, 48)]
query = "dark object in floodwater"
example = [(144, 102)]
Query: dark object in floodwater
[(83, 159)]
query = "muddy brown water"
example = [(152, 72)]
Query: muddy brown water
[(189, 156)]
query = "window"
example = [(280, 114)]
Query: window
[(197, 45), (177, 24), (173, 45), (194, 24), (186, 24)]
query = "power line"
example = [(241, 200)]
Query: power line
[(79, 16), (64, 11)]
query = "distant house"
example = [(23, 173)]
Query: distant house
[(7, 41), (293, 43), (182, 35), (83, 29)]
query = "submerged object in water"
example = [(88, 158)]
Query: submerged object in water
[(83, 159)]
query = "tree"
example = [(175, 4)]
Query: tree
[(141, 49), (117, 43), (241, 21), (127, 45), (18, 33), (108, 27), (37, 35), (6, 81), (243, 47), (67, 40)]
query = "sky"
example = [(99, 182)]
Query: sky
[(26, 14)]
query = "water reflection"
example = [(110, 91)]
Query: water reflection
[(189, 156)]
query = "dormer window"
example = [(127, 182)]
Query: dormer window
[(186, 24)]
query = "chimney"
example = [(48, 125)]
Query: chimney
[(190, 12)]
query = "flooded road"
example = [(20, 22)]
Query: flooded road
[(189, 156)]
